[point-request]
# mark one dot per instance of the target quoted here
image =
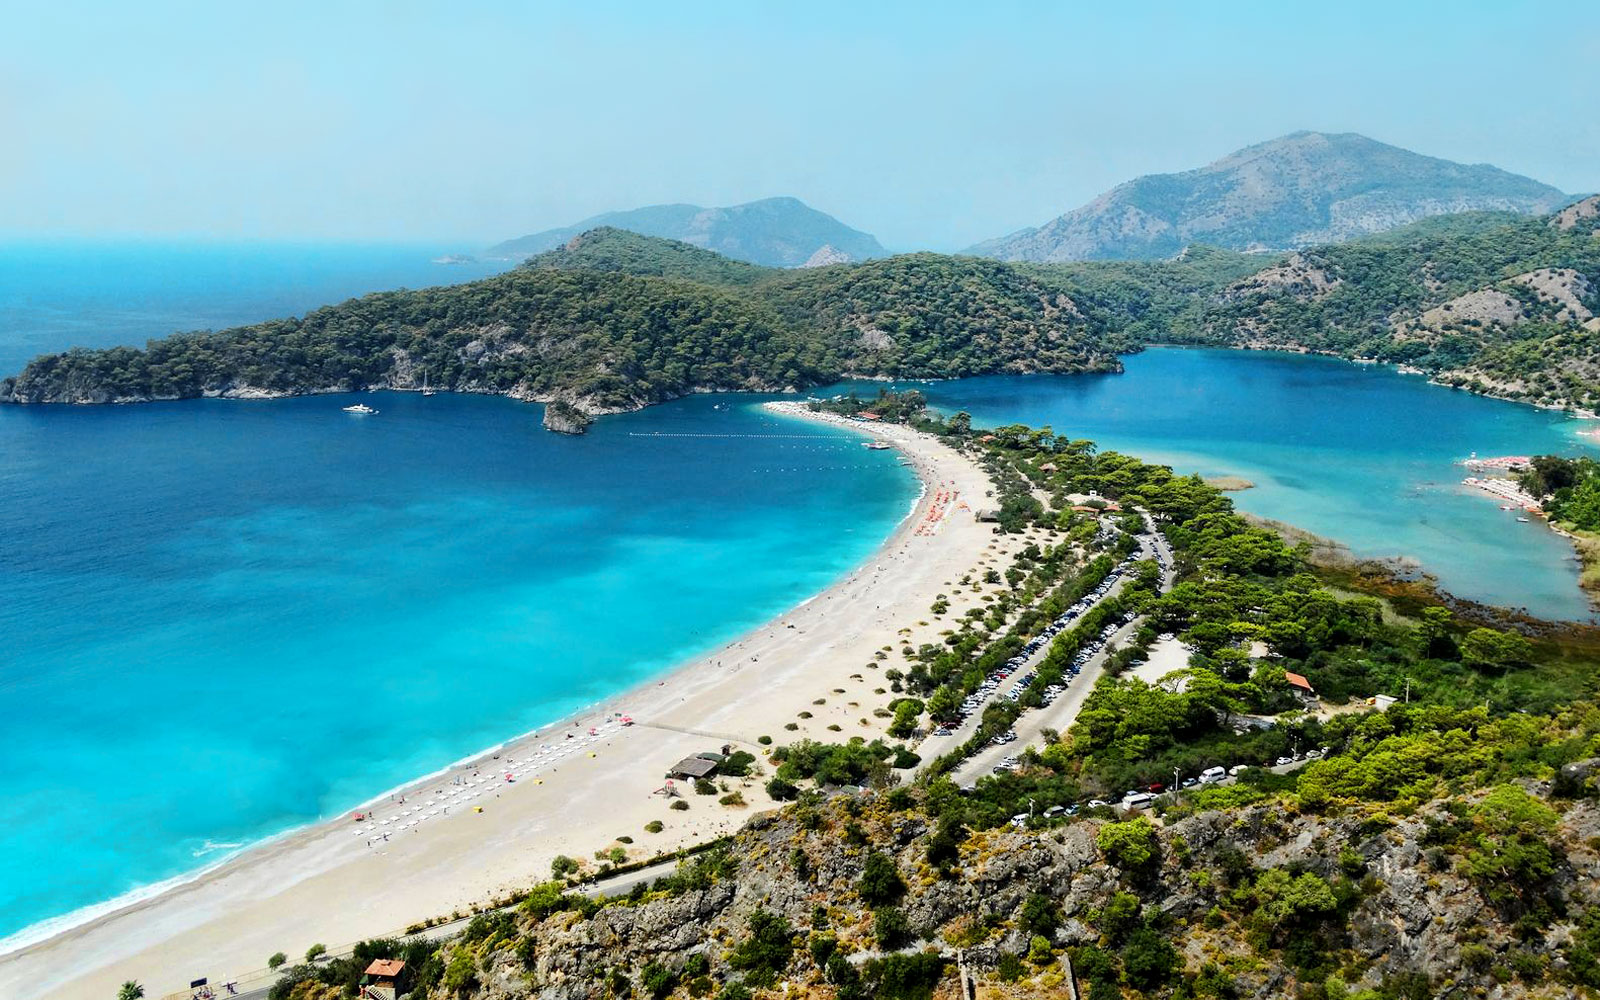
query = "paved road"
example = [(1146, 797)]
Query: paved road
[(1059, 714)]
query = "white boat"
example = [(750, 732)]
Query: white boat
[(425, 390), (361, 408), (876, 445), (1523, 520)]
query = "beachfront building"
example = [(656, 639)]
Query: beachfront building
[(382, 979), (702, 765)]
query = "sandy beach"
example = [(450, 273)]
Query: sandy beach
[(467, 834)]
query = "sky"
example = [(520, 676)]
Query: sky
[(931, 125)]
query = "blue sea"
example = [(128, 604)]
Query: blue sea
[(222, 620)]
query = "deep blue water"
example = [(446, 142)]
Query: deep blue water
[(220, 620)]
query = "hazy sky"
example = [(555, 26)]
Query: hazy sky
[(928, 124)]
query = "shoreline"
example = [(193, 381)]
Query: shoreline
[(228, 911), (44, 930)]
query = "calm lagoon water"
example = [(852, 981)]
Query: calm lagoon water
[(1361, 454), (223, 620)]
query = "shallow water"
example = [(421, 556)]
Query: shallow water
[(226, 619), (1356, 453)]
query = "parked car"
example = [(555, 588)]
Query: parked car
[(1212, 774)]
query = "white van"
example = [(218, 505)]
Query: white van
[(1138, 800), (1212, 774)]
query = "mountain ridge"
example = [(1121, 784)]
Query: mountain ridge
[(771, 232), (1299, 190)]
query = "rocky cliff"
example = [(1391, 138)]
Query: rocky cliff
[(872, 896)]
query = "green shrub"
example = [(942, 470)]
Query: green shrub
[(890, 928), (765, 953), (1149, 960), (822, 948), (880, 882)]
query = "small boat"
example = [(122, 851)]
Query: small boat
[(425, 390), (361, 408), (1523, 520), (876, 446)]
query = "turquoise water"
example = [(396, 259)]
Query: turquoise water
[(223, 620), (1357, 453)]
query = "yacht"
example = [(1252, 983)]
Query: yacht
[(361, 408), (425, 390)]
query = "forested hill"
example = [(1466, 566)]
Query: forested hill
[(620, 251), (1497, 303), (614, 321)]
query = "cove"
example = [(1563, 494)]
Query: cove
[(1360, 454)]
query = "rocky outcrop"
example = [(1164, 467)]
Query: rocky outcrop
[(1485, 307), (1580, 215), (1297, 277), (1410, 908), (564, 418), (1564, 289), (827, 254)]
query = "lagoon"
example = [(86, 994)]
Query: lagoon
[(1357, 453)]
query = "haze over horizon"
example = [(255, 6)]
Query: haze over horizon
[(930, 126)]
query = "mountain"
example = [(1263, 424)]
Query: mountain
[(1297, 191), (773, 232), (614, 321), (624, 252), (1501, 304)]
